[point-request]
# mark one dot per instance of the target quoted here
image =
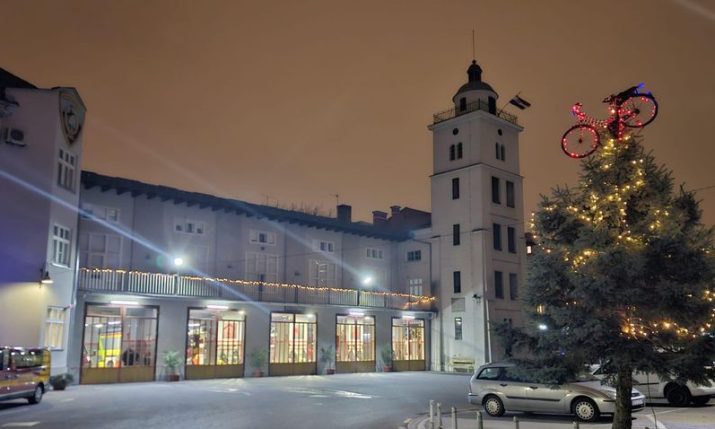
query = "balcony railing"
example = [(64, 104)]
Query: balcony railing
[(471, 107), (159, 284)]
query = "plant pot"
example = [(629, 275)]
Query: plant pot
[(172, 377), (330, 371)]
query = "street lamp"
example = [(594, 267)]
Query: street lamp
[(367, 281), (178, 261)]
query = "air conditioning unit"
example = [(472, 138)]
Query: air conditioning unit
[(13, 136)]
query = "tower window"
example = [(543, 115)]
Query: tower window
[(496, 230), (455, 188), (457, 328), (511, 239), (455, 131), (462, 104), (455, 234), (499, 284), (457, 281), (496, 148), (503, 152), (459, 150), (509, 194), (496, 197), (452, 153), (513, 287), (492, 105), (499, 131)]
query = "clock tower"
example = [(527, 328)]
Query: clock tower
[(477, 223)]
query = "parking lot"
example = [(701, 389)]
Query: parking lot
[(380, 400)]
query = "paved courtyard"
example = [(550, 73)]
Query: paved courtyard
[(379, 401)]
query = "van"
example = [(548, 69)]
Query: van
[(24, 373)]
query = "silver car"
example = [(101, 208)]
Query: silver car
[(498, 389)]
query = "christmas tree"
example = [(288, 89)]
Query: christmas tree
[(623, 274)]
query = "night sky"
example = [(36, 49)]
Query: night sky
[(294, 101)]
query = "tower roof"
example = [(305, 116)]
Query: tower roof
[(475, 83)]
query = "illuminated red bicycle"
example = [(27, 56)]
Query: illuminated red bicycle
[(628, 109)]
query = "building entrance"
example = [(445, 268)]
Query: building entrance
[(408, 344), (214, 344), (293, 343), (355, 344)]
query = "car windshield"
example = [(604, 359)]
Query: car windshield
[(583, 377)]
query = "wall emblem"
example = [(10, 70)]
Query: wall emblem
[(71, 115)]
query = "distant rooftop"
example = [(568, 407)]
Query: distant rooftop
[(396, 230), (9, 80)]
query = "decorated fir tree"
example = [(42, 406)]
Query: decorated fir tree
[(623, 274)]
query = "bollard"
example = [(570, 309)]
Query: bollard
[(439, 416), (516, 423), (480, 422), (454, 418), (575, 425), (431, 413)]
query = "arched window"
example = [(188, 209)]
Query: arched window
[(503, 153), (496, 147), (459, 150), (451, 153)]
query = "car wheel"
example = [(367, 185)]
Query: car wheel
[(36, 395), (494, 406), (700, 400), (585, 410), (678, 396)]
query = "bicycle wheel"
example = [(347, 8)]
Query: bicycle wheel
[(638, 110), (580, 141)]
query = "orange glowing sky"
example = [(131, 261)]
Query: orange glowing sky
[(294, 101)]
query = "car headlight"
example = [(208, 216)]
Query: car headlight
[(611, 395)]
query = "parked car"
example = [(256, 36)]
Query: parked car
[(657, 389), (24, 373), (499, 388)]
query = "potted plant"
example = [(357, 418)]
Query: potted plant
[(327, 358), (171, 363), (61, 381), (387, 358), (258, 359)]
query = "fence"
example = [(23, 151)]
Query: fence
[(160, 284)]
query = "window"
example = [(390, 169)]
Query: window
[(503, 152), (100, 250), (414, 255), (513, 287), (462, 104), (262, 237), (324, 246), (457, 281), (372, 253), (215, 337), (511, 239), (455, 131), (457, 328), (293, 338), (496, 197), (355, 339), (321, 273), (415, 287), (455, 188), (496, 148), (92, 211), (498, 285), (55, 327), (455, 234), (489, 374), (459, 150), (189, 226), (496, 231), (61, 245), (529, 249), (408, 339), (509, 194), (66, 170), (452, 153), (261, 267)]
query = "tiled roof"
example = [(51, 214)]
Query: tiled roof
[(120, 185)]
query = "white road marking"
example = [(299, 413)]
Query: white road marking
[(20, 424)]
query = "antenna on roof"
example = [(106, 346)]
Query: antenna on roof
[(337, 199)]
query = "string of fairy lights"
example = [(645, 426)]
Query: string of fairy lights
[(610, 210), (256, 283)]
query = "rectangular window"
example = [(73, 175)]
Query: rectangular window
[(261, 267), (215, 337), (496, 147), (457, 328), (496, 232), (355, 339), (496, 196), (61, 245), (457, 281), (66, 170), (455, 188), (414, 255), (511, 239), (459, 151), (498, 285), (324, 246), (503, 152), (462, 104), (513, 287), (262, 237), (509, 194), (372, 253), (321, 273), (189, 226), (55, 327), (415, 287), (100, 250), (455, 235), (293, 338), (408, 339)]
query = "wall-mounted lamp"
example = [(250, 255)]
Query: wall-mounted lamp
[(45, 278), (477, 298)]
